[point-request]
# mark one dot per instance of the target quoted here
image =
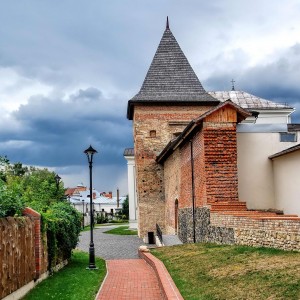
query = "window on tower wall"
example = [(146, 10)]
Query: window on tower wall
[(152, 133), (288, 137)]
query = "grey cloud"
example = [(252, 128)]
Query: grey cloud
[(58, 131)]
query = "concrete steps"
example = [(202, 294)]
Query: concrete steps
[(228, 206), (239, 209)]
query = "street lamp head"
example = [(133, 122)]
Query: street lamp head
[(90, 151), (57, 179)]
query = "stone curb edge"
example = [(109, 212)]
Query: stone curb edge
[(167, 285)]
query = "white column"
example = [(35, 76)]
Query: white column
[(133, 213)]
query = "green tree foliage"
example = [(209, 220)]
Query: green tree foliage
[(11, 203), (63, 224), (38, 188), (4, 163), (29, 186), (125, 208)]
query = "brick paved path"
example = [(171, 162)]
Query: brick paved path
[(129, 279)]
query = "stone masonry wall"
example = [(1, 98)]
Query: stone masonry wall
[(204, 231), (165, 121), (276, 233), (227, 229)]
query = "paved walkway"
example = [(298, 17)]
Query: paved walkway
[(128, 277), (111, 246)]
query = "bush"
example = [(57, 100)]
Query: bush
[(11, 203), (63, 224), (100, 219)]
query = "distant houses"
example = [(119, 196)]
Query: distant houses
[(104, 203)]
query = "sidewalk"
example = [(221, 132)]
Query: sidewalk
[(129, 279)]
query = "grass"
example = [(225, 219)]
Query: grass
[(73, 282), (122, 230), (210, 271)]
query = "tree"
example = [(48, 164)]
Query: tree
[(125, 208), (4, 163)]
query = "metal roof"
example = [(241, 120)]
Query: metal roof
[(248, 101)]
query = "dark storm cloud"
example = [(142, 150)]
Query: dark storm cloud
[(54, 132), (277, 80)]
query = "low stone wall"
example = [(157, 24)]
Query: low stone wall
[(204, 231), (227, 229), (281, 233)]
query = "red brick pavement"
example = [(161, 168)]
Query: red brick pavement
[(129, 279)]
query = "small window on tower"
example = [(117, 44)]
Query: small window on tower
[(288, 137), (152, 133)]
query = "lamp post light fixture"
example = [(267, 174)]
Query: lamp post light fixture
[(90, 153), (57, 181)]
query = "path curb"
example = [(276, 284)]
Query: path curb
[(167, 285)]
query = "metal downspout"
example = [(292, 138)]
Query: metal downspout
[(193, 191)]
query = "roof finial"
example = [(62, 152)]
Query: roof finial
[(167, 26), (232, 87)]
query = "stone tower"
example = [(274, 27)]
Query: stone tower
[(170, 97)]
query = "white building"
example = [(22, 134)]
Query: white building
[(101, 204)]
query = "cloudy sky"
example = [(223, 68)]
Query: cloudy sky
[(68, 68)]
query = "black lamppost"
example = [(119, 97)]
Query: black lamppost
[(82, 213), (90, 153), (57, 180)]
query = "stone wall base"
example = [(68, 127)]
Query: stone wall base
[(229, 229)]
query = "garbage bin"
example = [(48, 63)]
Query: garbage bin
[(151, 239)]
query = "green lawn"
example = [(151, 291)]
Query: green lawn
[(210, 271), (73, 282), (122, 230)]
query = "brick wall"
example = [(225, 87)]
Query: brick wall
[(220, 162), (165, 120), (40, 242), (172, 188), (214, 148)]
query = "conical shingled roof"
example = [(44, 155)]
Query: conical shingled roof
[(170, 77)]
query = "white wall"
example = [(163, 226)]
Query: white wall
[(287, 182), (132, 196), (255, 169)]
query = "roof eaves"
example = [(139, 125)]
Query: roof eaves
[(286, 151), (131, 103)]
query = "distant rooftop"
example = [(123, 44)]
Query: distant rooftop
[(129, 152), (248, 101)]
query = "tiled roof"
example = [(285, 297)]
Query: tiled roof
[(170, 77), (248, 101), (129, 152)]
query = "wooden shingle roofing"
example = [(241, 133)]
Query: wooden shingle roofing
[(170, 78)]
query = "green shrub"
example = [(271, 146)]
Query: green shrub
[(62, 223), (11, 203), (100, 219)]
